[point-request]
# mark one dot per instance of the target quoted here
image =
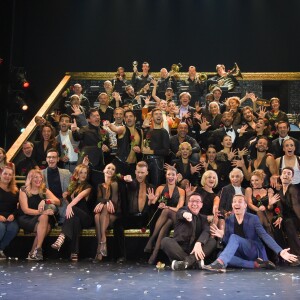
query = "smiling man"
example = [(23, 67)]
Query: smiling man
[(244, 236), (191, 243)]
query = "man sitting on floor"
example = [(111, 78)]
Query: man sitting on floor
[(244, 237), (191, 242)]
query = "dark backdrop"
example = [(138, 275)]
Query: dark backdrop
[(52, 37)]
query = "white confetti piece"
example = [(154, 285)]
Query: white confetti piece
[(145, 292)]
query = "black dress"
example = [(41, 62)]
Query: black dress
[(28, 222), (208, 201)]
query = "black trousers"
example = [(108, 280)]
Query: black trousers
[(182, 252), (291, 227), (72, 227), (156, 170)]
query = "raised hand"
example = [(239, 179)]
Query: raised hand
[(195, 169), (275, 198), (74, 126), (204, 125), (76, 110), (215, 231), (262, 112), (242, 152), (231, 154), (243, 129), (189, 190), (151, 196)]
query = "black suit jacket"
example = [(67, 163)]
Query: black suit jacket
[(226, 196), (277, 149), (215, 137), (184, 231)]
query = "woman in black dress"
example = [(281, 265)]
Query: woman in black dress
[(108, 209), (78, 215), (8, 208), (35, 215), (170, 198)]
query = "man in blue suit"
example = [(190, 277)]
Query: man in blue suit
[(244, 236)]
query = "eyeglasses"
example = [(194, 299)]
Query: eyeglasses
[(195, 201)]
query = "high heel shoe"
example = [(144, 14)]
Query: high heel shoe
[(58, 243), (98, 256), (149, 246), (103, 248), (153, 258)]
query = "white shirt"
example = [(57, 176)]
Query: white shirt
[(67, 147)]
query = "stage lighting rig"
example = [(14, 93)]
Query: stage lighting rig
[(18, 78), (21, 102)]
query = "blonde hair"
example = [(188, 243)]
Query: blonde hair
[(208, 173), (185, 144), (28, 182), (259, 173)]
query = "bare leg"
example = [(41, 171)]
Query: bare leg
[(42, 230)]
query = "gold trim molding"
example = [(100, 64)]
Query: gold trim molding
[(246, 76)]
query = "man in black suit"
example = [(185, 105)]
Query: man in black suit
[(234, 188), (277, 145), (191, 242), (216, 137)]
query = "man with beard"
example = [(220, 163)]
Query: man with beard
[(244, 236), (156, 146), (216, 137), (191, 243), (263, 161), (180, 137), (129, 139), (28, 163), (68, 147), (94, 140), (289, 202)]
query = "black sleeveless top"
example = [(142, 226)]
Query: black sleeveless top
[(124, 144), (173, 201), (262, 166)]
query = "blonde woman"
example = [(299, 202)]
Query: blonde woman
[(171, 198), (36, 216), (210, 200)]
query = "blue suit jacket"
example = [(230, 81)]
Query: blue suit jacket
[(253, 231)]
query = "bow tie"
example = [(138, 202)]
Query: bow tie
[(228, 129)]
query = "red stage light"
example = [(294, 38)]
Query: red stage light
[(25, 84)]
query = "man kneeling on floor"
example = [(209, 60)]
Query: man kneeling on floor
[(244, 237), (191, 242)]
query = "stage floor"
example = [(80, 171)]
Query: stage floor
[(106, 280)]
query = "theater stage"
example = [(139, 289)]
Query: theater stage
[(108, 280)]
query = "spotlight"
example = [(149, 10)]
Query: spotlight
[(18, 124), (21, 102), (18, 78)]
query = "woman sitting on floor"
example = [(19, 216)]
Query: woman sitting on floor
[(78, 215), (35, 215), (170, 198), (8, 208)]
